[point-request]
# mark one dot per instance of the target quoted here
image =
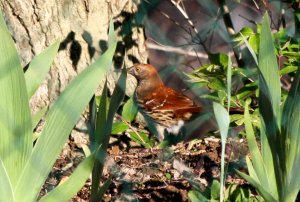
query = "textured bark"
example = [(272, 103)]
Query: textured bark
[(81, 26)]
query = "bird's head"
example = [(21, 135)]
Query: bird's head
[(143, 72), (147, 77)]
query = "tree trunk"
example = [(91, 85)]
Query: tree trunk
[(81, 26)]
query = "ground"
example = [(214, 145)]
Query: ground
[(154, 174)]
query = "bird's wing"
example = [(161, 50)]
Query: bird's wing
[(169, 99)]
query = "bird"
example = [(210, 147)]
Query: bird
[(163, 105)]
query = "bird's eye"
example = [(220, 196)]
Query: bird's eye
[(137, 69)]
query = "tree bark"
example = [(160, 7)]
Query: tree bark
[(82, 27)]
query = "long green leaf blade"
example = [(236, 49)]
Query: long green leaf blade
[(268, 65), (39, 68), (15, 117), (269, 106), (264, 193), (6, 191), (223, 121), (101, 120), (256, 157), (60, 120), (251, 170), (290, 129), (73, 184), (105, 131), (36, 118)]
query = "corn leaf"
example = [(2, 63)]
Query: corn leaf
[(15, 117)]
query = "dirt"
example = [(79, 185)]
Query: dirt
[(154, 174)]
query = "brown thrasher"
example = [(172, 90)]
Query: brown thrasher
[(163, 105)]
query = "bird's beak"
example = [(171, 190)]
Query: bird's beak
[(131, 70)]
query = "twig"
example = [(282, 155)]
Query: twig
[(175, 50), (132, 128)]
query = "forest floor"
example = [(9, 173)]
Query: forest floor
[(155, 174)]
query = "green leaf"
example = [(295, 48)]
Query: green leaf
[(254, 42), (229, 75), (73, 184), (215, 190), (141, 138), (288, 69), (15, 124), (101, 116), (168, 176), (251, 170), (103, 189), (290, 130), (6, 190), (196, 196), (39, 68), (36, 118), (258, 163), (98, 142), (60, 120), (223, 121), (219, 59), (251, 50), (247, 31), (217, 84), (119, 127), (269, 106), (268, 64), (260, 188), (129, 110), (104, 132), (111, 34)]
